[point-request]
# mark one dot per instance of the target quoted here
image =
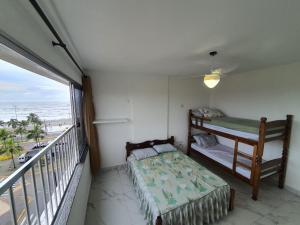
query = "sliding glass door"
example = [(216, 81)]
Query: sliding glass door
[(77, 106)]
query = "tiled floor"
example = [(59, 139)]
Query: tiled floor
[(112, 201)]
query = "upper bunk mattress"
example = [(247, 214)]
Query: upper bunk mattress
[(245, 125), (245, 128)]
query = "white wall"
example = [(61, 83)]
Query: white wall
[(143, 99), (19, 20), (272, 92), (184, 94), (78, 210)]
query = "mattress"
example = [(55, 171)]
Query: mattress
[(244, 125), (246, 129), (224, 155), (178, 189)]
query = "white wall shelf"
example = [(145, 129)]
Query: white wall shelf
[(106, 121)]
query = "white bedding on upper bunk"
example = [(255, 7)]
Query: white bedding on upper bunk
[(229, 131), (224, 155)]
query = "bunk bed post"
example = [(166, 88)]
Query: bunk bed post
[(158, 221), (260, 150), (286, 145), (236, 146), (253, 164), (189, 133)]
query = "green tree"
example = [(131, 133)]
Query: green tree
[(36, 133), (34, 119), (12, 148), (22, 128)]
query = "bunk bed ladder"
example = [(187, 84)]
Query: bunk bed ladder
[(252, 158)]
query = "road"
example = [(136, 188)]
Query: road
[(5, 217)]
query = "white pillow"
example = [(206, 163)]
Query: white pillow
[(197, 139), (144, 153), (206, 140), (164, 148)]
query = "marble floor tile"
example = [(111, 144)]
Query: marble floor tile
[(112, 201)]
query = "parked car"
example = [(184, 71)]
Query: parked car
[(27, 155), (40, 145), (22, 158)]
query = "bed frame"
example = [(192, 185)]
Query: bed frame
[(268, 131), (149, 144)]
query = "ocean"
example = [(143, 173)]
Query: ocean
[(45, 110)]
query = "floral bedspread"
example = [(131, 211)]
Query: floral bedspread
[(178, 189)]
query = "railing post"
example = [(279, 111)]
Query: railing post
[(49, 185), (25, 200), (12, 206), (44, 191), (37, 209)]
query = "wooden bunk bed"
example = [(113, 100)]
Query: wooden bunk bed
[(257, 167)]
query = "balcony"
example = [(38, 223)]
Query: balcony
[(36, 192)]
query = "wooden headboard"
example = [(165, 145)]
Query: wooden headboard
[(146, 144)]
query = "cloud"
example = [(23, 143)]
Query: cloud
[(8, 86), (56, 87), (19, 85)]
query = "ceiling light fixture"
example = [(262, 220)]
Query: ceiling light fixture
[(211, 80)]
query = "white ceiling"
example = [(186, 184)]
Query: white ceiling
[(173, 37)]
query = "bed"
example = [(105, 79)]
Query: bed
[(251, 168), (174, 189)]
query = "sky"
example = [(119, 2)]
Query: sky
[(20, 85)]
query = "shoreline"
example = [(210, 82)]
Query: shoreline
[(50, 126)]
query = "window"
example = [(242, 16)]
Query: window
[(37, 189)]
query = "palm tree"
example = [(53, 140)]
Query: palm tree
[(36, 133), (4, 134), (2, 123), (34, 119), (20, 131), (22, 128), (13, 123), (12, 148)]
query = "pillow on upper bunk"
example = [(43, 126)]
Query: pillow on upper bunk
[(164, 148), (211, 113), (196, 112), (144, 153), (206, 140)]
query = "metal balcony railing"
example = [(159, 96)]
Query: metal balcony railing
[(35, 191)]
